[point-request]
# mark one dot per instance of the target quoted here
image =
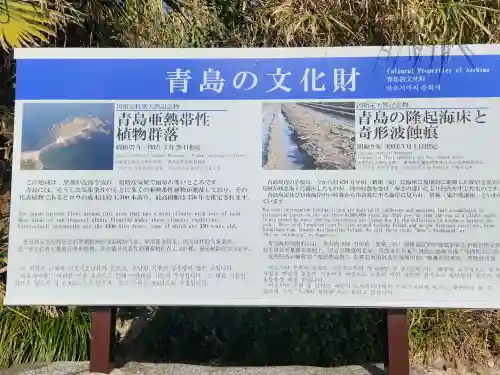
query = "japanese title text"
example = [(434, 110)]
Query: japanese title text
[(413, 124), (157, 126), (311, 80)]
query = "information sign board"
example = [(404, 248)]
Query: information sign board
[(364, 176)]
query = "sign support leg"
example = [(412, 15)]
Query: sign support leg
[(103, 339), (398, 353)]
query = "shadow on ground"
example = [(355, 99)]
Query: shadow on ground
[(254, 336)]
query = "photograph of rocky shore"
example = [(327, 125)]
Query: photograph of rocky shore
[(308, 136)]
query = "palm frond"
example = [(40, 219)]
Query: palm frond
[(31, 23)]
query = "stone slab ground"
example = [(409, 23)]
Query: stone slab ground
[(134, 368)]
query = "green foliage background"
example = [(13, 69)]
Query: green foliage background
[(261, 336)]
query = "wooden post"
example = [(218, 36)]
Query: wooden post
[(104, 326), (398, 353), (103, 339)]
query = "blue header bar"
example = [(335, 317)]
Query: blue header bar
[(259, 78)]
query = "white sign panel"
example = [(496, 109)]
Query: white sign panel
[(292, 177)]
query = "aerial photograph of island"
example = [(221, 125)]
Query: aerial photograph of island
[(308, 136), (67, 136)]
